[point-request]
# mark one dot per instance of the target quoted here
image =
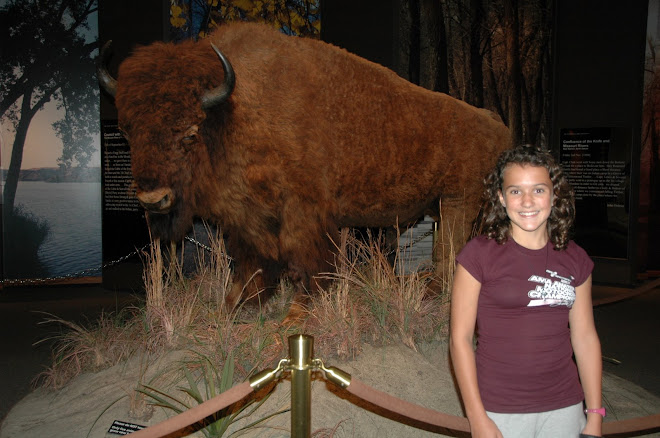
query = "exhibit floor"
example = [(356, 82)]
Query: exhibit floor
[(629, 331)]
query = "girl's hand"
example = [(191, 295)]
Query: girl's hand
[(594, 425), (484, 428)]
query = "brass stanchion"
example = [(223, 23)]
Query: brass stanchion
[(300, 353)]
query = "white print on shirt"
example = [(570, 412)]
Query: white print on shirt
[(551, 292)]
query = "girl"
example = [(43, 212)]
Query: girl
[(527, 289)]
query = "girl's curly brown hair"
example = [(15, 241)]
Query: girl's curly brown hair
[(496, 223)]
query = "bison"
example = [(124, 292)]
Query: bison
[(282, 141)]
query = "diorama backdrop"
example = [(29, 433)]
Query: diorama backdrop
[(518, 58), (544, 66), (50, 162)]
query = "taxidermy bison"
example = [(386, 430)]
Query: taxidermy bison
[(281, 141)]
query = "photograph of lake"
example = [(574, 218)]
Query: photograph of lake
[(72, 211)]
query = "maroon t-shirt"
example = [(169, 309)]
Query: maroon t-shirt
[(524, 353)]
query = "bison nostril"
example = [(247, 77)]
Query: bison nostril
[(156, 201)]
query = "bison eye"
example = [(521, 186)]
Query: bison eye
[(190, 135), (189, 139)]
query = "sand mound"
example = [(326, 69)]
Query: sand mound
[(90, 403)]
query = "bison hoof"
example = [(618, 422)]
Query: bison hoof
[(298, 310)]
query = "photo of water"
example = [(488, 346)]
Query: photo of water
[(73, 213)]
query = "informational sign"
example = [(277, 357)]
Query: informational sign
[(118, 193), (124, 427), (597, 164), (124, 225)]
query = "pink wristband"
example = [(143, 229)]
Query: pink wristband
[(600, 411)]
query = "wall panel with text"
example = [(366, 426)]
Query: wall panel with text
[(596, 125)]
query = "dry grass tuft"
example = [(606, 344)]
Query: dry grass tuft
[(82, 347), (329, 432), (367, 301), (336, 318)]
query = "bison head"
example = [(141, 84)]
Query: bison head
[(163, 94)]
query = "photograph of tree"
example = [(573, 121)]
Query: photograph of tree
[(49, 109), (495, 55)]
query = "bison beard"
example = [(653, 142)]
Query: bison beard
[(308, 139), (172, 226)]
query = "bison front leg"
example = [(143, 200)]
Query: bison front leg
[(306, 246), (255, 278)]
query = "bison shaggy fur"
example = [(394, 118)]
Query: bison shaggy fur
[(311, 140)]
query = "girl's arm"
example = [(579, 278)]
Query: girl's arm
[(464, 299), (586, 347)]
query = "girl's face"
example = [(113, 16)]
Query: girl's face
[(526, 195)]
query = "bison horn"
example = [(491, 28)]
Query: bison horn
[(106, 80), (220, 94)]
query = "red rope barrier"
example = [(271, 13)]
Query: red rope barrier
[(460, 424), (639, 424), (410, 410), (377, 398), (195, 414)]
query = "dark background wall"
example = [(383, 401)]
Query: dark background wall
[(129, 23), (598, 82), (365, 28)]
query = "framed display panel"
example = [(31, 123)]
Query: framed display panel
[(597, 163)]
